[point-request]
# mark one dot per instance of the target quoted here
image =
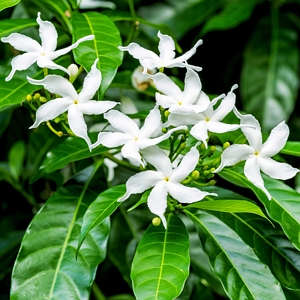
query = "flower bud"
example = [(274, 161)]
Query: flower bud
[(60, 133), (139, 80), (164, 130), (73, 69), (43, 99), (226, 145), (195, 174), (166, 113), (156, 221), (36, 96), (28, 97), (57, 120), (212, 148)]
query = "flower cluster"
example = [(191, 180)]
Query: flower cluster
[(176, 115)]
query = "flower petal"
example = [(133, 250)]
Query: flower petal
[(93, 107), (219, 127), (252, 172), (148, 59), (165, 101), (91, 83), (199, 131), (177, 119), (48, 34), (152, 122), (185, 194), (186, 166), (234, 154), (57, 85), (276, 170), (46, 62), (22, 62), (157, 200), (22, 42), (130, 150), (140, 182), (192, 87), (111, 139), (51, 110), (166, 47), (276, 140), (77, 123), (122, 123), (226, 106), (61, 52)]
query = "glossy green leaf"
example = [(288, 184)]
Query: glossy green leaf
[(8, 3), (69, 150), (231, 16), (104, 46), (142, 200), (46, 267), (16, 157), (161, 263), (269, 79), (104, 205), (291, 148), (9, 26), (232, 206), (242, 274), (284, 207)]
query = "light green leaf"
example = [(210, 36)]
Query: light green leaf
[(161, 263), (8, 3), (242, 274), (291, 148), (46, 267), (232, 206), (16, 157), (269, 80), (104, 205), (15, 25), (104, 46)]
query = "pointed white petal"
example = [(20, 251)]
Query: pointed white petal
[(147, 58), (199, 131), (252, 172), (91, 83), (61, 52), (22, 62), (276, 140), (22, 42), (111, 139), (192, 87), (51, 110), (158, 158), (253, 135), (219, 127), (177, 119), (122, 122), (140, 182), (167, 86), (165, 101), (226, 106), (93, 107), (186, 166), (48, 34), (152, 122), (202, 100), (111, 165), (77, 123), (157, 200), (166, 47), (57, 85), (185, 194), (130, 150), (234, 154), (276, 170), (46, 62), (174, 63)]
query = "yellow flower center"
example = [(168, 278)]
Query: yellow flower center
[(167, 178), (206, 119), (75, 101), (256, 153), (179, 103)]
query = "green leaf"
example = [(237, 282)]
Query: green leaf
[(161, 263), (104, 205), (232, 206), (9, 26), (242, 274), (284, 207), (8, 3), (269, 79), (143, 199), (46, 267), (16, 157), (69, 150), (104, 46), (231, 16), (291, 148)]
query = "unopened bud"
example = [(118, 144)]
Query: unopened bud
[(206, 172), (202, 147), (28, 97), (212, 170), (166, 113), (156, 221), (195, 174), (226, 145), (36, 96), (57, 120), (43, 99), (73, 69), (60, 133), (182, 145), (212, 148), (164, 130)]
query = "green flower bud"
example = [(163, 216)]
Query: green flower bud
[(57, 120), (36, 96), (43, 99), (195, 174), (156, 221), (226, 145), (28, 97), (212, 148), (166, 113), (164, 130)]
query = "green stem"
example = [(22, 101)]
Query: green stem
[(134, 20), (97, 292)]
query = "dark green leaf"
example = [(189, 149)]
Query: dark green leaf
[(291, 148), (8, 3), (105, 204), (104, 46), (16, 157), (15, 25), (46, 267), (242, 274), (269, 80), (143, 199), (161, 263)]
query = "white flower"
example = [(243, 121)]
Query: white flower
[(165, 180), (191, 100), (43, 54), (150, 60), (208, 120), (258, 155), (140, 80), (75, 104), (87, 4), (129, 135)]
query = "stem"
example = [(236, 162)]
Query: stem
[(58, 133), (97, 292), (67, 129), (133, 15)]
